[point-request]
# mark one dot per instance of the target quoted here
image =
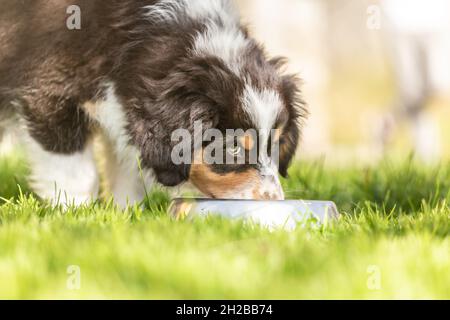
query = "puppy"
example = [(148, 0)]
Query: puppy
[(138, 70)]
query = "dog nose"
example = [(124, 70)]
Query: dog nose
[(270, 196), (270, 189)]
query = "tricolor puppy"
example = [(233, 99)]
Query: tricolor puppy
[(138, 70)]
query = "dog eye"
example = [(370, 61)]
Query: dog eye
[(235, 151)]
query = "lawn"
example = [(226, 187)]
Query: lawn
[(391, 242)]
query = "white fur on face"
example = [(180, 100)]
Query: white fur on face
[(270, 183), (63, 179), (263, 107), (128, 183)]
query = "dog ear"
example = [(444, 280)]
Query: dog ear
[(158, 149), (288, 147), (290, 137), (157, 154)]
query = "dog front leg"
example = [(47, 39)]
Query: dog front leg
[(63, 178), (60, 152), (123, 179)]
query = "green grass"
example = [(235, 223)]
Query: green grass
[(395, 229)]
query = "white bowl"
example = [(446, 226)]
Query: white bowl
[(287, 214)]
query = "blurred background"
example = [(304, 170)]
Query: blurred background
[(376, 73)]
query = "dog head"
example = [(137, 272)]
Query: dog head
[(259, 130), (199, 65), (250, 120)]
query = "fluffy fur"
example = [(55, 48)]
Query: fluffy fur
[(139, 70)]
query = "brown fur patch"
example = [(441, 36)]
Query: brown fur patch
[(219, 185), (277, 135), (91, 109), (247, 141)]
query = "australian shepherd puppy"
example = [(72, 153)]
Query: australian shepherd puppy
[(138, 70)]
